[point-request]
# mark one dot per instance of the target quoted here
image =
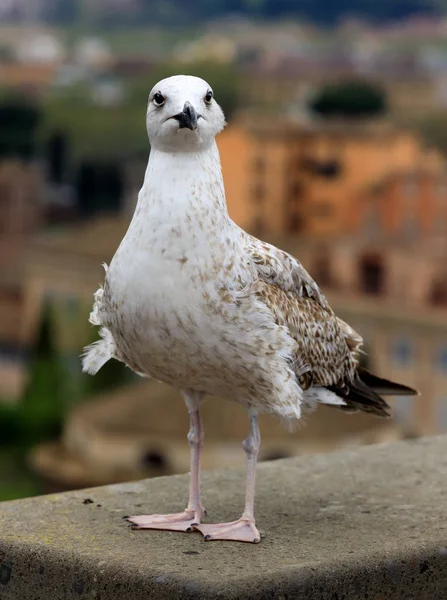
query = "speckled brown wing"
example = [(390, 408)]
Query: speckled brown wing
[(282, 269), (327, 347), (323, 358), (353, 339)]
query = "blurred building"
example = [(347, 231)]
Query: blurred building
[(21, 215), (30, 57), (365, 210), (287, 84), (366, 213), (283, 179), (140, 431), (374, 286), (93, 53), (26, 76), (385, 274), (42, 47), (64, 267)]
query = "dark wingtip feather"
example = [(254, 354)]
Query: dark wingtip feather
[(385, 386), (358, 396)]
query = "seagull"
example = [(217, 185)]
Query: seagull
[(192, 300)]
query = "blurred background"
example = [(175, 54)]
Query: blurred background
[(335, 150)]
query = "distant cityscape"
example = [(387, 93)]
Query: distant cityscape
[(335, 150)]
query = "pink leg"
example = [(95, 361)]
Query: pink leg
[(244, 529), (193, 513)]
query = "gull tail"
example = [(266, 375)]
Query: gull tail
[(97, 354)]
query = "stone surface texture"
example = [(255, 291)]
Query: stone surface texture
[(364, 524)]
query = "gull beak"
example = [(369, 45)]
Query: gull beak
[(187, 118)]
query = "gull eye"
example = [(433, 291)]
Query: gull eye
[(209, 96), (158, 99)]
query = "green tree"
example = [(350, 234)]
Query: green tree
[(57, 156), (92, 131), (19, 121), (350, 99), (9, 424), (42, 407)]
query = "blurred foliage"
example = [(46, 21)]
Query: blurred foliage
[(7, 54), (99, 187), (10, 427), (55, 384), (36, 418), (433, 128), (16, 479), (57, 156), (94, 131), (42, 408), (349, 99), (19, 121)]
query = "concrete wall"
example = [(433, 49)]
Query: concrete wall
[(364, 524)]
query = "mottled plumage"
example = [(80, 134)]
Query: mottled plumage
[(193, 300)]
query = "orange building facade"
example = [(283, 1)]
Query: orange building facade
[(283, 179)]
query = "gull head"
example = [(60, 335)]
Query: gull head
[(182, 115)]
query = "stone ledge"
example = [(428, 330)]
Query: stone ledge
[(364, 524)]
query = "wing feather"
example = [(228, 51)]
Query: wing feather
[(282, 269), (327, 346)]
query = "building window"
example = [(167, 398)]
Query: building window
[(372, 219), (259, 164), (402, 352), (372, 274), (296, 190), (439, 223), (441, 189), (329, 169), (441, 359), (323, 209), (295, 223), (259, 225), (410, 224), (259, 193), (411, 186), (438, 293)]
